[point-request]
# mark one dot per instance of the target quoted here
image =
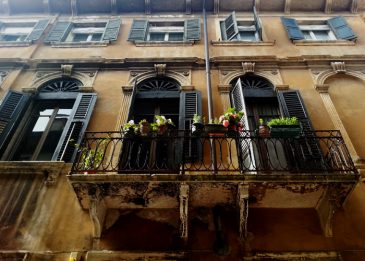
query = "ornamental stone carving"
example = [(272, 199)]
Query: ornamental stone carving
[(160, 69), (248, 67), (338, 67)]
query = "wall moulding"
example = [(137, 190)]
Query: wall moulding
[(320, 76), (87, 78)]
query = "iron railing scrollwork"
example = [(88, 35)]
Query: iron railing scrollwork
[(246, 153)]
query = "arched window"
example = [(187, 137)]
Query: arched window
[(47, 121)]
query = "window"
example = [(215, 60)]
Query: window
[(241, 30), (332, 29), (84, 32), (17, 32), (47, 122), (158, 31)]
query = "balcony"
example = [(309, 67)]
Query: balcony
[(180, 153)]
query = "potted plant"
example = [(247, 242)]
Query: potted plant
[(264, 130), (92, 158), (163, 125), (288, 127), (215, 128), (231, 119), (130, 129), (144, 127), (197, 127)]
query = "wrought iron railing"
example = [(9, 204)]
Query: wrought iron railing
[(180, 152)]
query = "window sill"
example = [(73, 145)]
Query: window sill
[(328, 42), (242, 43), (15, 44), (162, 43), (79, 44)]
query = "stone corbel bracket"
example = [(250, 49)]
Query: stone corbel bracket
[(184, 210), (338, 67), (160, 69), (242, 202), (66, 69), (248, 67), (281, 87), (97, 214)]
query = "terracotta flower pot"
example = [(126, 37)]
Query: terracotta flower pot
[(264, 131)]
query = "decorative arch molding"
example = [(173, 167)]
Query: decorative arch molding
[(320, 78), (87, 79), (183, 77), (226, 77)]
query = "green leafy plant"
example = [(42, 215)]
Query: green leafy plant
[(197, 118), (130, 126), (214, 121), (161, 120), (261, 122), (92, 158), (283, 121)]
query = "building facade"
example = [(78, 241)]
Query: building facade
[(76, 185)]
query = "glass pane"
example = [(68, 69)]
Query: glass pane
[(96, 37), (176, 37), (247, 36), (80, 38), (9, 38), (321, 35), (307, 35), (157, 36)]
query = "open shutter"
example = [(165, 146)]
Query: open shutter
[(258, 23), (11, 110), (138, 31), (37, 30), (190, 104), (58, 32), (292, 28), (246, 151), (75, 127), (112, 30), (341, 29), (307, 149), (231, 28), (192, 29)]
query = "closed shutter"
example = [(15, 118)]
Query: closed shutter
[(58, 32), (341, 29), (11, 110), (307, 149), (138, 31), (292, 28), (192, 30), (190, 104), (258, 23), (246, 152), (37, 30), (75, 127), (231, 28), (112, 30)]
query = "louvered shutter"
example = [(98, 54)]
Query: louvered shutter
[(192, 30), (37, 30), (58, 32), (231, 28), (190, 104), (75, 127), (246, 152), (258, 23), (307, 148), (138, 31), (11, 110), (292, 28), (341, 29), (112, 30)]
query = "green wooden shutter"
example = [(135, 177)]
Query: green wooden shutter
[(190, 104), (292, 28), (112, 30), (231, 28), (11, 110), (341, 29), (192, 30), (37, 30), (258, 23), (58, 32), (307, 148), (138, 31), (75, 127)]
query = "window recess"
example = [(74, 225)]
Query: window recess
[(22, 32)]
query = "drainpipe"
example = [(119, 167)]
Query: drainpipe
[(213, 155), (207, 66)]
